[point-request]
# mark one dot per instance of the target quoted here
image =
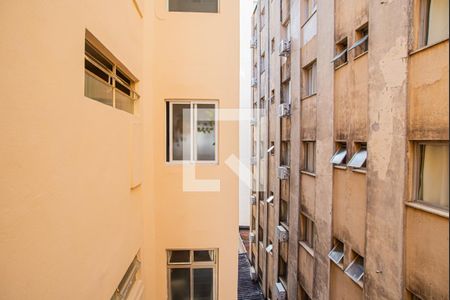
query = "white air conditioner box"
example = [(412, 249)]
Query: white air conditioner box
[(284, 110), (283, 172), (281, 292), (285, 48), (282, 234)]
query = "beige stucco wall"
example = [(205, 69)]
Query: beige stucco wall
[(196, 57), (69, 223), (428, 94), (426, 254)]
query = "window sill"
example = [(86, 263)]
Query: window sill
[(341, 66), (360, 55), (307, 248), (308, 173), (340, 167), (340, 266), (309, 96), (429, 209), (361, 171), (412, 52)]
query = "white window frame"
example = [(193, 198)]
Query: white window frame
[(341, 257), (356, 162), (193, 118), (358, 280), (193, 265)]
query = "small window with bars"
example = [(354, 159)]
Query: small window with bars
[(106, 82)]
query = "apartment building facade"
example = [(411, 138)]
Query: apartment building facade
[(110, 122), (350, 149)]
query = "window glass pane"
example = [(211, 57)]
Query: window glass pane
[(180, 284), (206, 132), (200, 256), (359, 159), (438, 21), (356, 269), (181, 126), (182, 256), (337, 254), (95, 54), (209, 6), (98, 90), (433, 177), (124, 102), (339, 157), (203, 284)]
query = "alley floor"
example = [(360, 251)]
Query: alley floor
[(247, 289)]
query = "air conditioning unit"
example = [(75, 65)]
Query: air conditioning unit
[(252, 121), (253, 199), (254, 82), (252, 237), (282, 234), (253, 160), (280, 291), (284, 110), (285, 48), (253, 43), (283, 172), (253, 275)]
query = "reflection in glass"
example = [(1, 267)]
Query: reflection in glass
[(180, 284), (181, 137), (206, 132), (203, 284), (98, 90)]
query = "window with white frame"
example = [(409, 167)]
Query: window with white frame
[(192, 274), (309, 156), (432, 173), (359, 159), (201, 6), (434, 22), (311, 79), (340, 156), (106, 82), (191, 131), (341, 57), (355, 269), (311, 6)]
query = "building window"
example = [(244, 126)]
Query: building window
[(284, 212), (307, 231), (263, 62), (191, 131), (355, 269), (202, 6), (311, 79), (433, 21), (362, 40), (195, 278), (128, 281), (285, 155), (358, 160), (432, 173), (260, 234), (282, 271), (311, 6), (309, 156), (341, 57), (106, 82), (340, 156), (337, 253), (286, 92)]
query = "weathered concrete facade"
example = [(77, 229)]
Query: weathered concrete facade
[(367, 128)]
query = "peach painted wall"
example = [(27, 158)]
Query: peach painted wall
[(196, 56)]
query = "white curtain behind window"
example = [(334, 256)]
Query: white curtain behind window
[(438, 21), (435, 175)]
